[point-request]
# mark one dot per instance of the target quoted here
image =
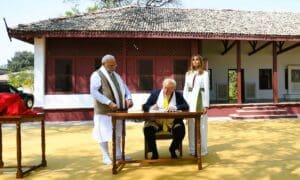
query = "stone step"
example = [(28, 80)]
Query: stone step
[(259, 107), (261, 111), (274, 116)]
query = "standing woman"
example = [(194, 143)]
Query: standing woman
[(196, 93)]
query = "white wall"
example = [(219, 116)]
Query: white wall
[(291, 57), (39, 71), (251, 65), (217, 62), (73, 101)]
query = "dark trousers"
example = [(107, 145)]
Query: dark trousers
[(177, 131)]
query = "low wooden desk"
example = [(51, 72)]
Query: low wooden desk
[(18, 120), (123, 116)]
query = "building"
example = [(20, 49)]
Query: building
[(259, 49)]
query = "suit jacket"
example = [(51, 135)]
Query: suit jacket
[(181, 104)]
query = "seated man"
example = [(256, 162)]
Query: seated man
[(166, 99)]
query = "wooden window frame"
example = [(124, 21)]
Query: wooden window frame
[(180, 75), (71, 75), (140, 75)]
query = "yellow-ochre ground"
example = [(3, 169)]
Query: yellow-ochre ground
[(253, 149)]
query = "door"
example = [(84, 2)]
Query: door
[(232, 86)]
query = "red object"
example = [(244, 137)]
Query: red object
[(12, 104)]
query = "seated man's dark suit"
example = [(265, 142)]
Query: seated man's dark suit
[(177, 128)]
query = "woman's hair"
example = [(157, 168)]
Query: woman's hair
[(200, 69)]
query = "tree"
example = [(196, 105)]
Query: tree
[(22, 60), (157, 3), (99, 4), (21, 79)]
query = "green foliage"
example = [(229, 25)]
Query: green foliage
[(158, 3), (99, 4), (232, 86), (22, 60), (21, 79), (74, 11), (93, 8)]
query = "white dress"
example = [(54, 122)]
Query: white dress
[(195, 82)]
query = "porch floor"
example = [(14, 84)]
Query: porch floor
[(257, 101)]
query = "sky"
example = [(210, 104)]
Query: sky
[(27, 11)]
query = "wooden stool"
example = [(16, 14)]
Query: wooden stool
[(161, 135)]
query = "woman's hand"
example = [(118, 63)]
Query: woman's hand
[(129, 103), (204, 110)]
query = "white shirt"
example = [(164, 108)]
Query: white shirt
[(95, 84)]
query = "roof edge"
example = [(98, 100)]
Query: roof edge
[(156, 35)]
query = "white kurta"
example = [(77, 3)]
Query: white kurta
[(102, 131), (200, 81)]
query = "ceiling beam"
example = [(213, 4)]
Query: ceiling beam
[(279, 45), (255, 50), (253, 44), (281, 50), (227, 47)]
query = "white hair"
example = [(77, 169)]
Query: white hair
[(107, 57), (169, 81)]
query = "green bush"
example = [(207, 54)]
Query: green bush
[(21, 79)]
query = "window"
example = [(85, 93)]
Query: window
[(63, 74), (69, 74), (180, 68), (295, 75), (146, 75), (265, 78), (97, 63)]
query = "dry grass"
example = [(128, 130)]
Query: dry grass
[(258, 149)]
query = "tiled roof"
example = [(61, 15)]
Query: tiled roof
[(170, 22)]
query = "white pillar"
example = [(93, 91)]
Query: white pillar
[(39, 71)]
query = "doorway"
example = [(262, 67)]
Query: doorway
[(232, 86)]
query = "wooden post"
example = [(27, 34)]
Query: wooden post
[(124, 69), (19, 151), (194, 47), (206, 64), (239, 74), (43, 142), (274, 75), (1, 160), (114, 165)]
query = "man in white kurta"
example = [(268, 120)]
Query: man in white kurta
[(196, 83), (110, 94)]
